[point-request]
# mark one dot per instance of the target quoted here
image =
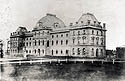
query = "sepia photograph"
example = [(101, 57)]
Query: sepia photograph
[(62, 40)]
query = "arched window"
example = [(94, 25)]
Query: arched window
[(83, 38), (29, 43), (93, 38), (97, 40), (66, 42), (52, 52)]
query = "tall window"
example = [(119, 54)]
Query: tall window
[(92, 32), (52, 36), (67, 52), (35, 50), (78, 40), (83, 38), (97, 32), (78, 32), (61, 35), (61, 51), (73, 52), (39, 51), (93, 38), (56, 51), (92, 52), (101, 51), (39, 42), (96, 52), (78, 50), (52, 42), (52, 52), (56, 42), (43, 51), (97, 40), (84, 32), (73, 40), (66, 42), (61, 42), (73, 33), (30, 43), (57, 36), (43, 42), (67, 35), (83, 51), (101, 41), (47, 43)]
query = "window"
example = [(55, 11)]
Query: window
[(101, 41), (56, 42), (61, 42), (39, 42), (101, 33), (78, 40), (78, 50), (73, 33), (96, 52), (73, 52), (83, 38), (93, 38), (67, 51), (101, 51), (92, 52), (52, 42), (39, 51), (97, 32), (57, 36), (30, 44), (73, 40), (83, 51), (61, 35), (43, 42), (66, 35), (97, 40), (27, 44), (52, 36), (92, 32), (35, 42), (47, 43), (35, 50), (29, 51), (66, 42), (43, 51), (84, 32), (56, 51), (81, 21), (52, 52), (61, 51), (39, 33), (43, 33), (78, 32)]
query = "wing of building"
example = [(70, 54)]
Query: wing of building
[(50, 36)]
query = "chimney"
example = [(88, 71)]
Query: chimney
[(104, 25)]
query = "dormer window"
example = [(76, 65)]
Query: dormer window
[(40, 23), (56, 24)]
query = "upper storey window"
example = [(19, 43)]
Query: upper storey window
[(52, 36), (92, 32), (84, 32), (56, 24), (97, 33), (73, 33), (78, 32), (40, 23)]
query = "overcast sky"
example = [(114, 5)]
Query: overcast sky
[(15, 13)]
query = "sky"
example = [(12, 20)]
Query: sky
[(26, 13)]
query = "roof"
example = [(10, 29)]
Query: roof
[(49, 21), (88, 17)]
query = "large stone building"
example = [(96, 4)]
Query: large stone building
[(50, 36)]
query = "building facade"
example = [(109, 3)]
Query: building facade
[(50, 36)]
